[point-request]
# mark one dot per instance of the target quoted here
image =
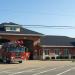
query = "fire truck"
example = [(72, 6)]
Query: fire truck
[(13, 52)]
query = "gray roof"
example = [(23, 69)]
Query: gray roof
[(57, 41), (10, 23), (27, 31), (22, 31)]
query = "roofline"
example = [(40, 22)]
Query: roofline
[(55, 46), (21, 34), (12, 25)]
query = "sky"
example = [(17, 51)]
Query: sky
[(40, 12)]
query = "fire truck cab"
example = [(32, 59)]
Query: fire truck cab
[(12, 52)]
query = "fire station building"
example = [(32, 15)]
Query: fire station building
[(40, 46), (57, 47), (11, 32)]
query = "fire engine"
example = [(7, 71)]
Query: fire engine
[(13, 52)]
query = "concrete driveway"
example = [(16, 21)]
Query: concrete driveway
[(39, 68)]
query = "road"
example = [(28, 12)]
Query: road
[(39, 68)]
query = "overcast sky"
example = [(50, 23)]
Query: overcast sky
[(40, 12)]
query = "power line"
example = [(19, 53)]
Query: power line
[(50, 27)]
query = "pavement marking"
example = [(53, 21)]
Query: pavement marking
[(26, 71), (36, 69), (49, 70), (66, 71), (7, 71), (44, 71)]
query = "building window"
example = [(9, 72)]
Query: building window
[(57, 51), (46, 52), (13, 28), (66, 51)]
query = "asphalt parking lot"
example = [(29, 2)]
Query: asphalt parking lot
[(39, 68)]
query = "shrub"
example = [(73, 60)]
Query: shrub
[(47, 58)]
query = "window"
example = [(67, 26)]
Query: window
[(66, 51), (57, 51), (46, 52), (16, 49), (12, 28)]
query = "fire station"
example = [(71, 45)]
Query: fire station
[(58, 47), (40, 46), (11, 32)]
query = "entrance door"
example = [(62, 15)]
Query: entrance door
[(29, 45)]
